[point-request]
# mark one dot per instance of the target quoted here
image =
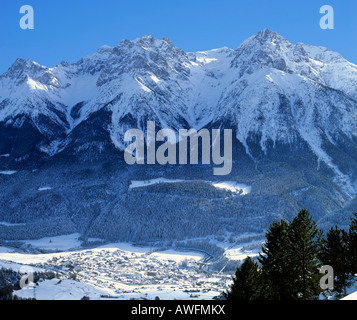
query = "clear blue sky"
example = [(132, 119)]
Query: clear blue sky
[(70, 29)]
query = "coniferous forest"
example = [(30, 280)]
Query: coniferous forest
[(290, 264)]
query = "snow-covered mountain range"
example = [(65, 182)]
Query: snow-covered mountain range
[(276, 96), (267, 86)]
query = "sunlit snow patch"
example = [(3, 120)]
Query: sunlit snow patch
[(8, 172), (66, 289), (57, 243), (44, 188), (8, 224), (239, 188), (240, 254), (233, 186)]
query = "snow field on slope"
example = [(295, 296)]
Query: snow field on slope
[(233, 186)]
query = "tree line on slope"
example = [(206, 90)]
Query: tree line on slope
[(289, 266)]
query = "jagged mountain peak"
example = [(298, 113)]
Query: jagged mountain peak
[(104, 48), (265, 39), (148, 40), (268, 35), (265, 49), (27, 76), (22, 68)]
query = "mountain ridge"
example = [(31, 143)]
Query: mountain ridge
[(268, 90)]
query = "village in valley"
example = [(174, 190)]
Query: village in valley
[(121, 271)]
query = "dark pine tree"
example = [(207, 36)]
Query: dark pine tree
[(303, 250), (275, 262), (335, 253), (246, 283)]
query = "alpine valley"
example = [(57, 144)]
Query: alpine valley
[(292, 109)]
